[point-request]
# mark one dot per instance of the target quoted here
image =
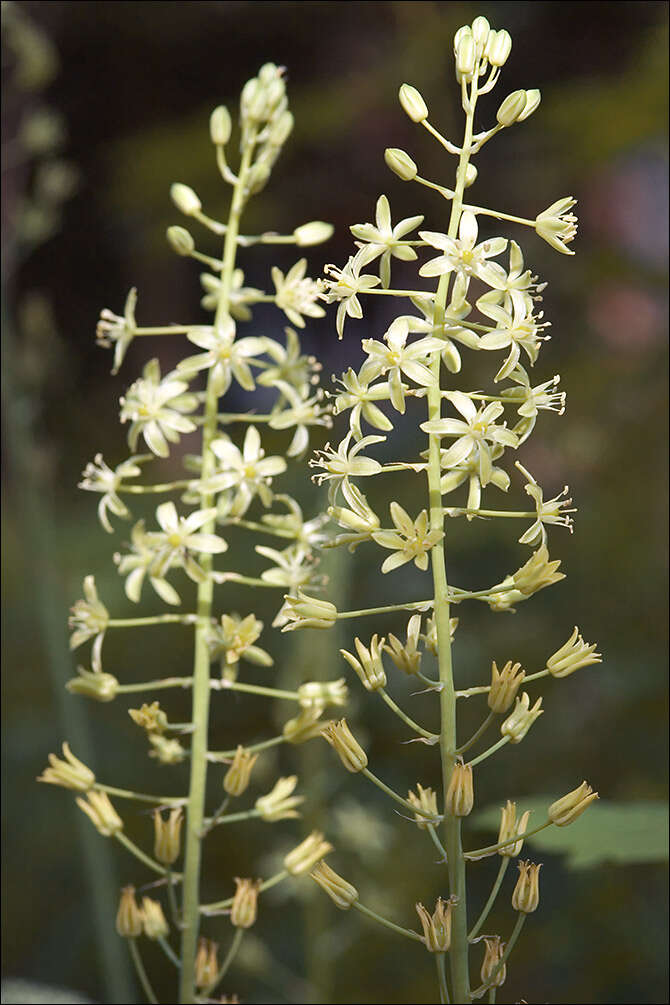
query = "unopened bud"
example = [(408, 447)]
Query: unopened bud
[(310, 851), (153, 920), (413, 103), (569, 807), (459, 799), (526, 896), (94, 684), (499, 47), (511, 108), (180, 240), (533, 98), (237, 777), (517, 724), (280, 804), (466, 56), (245, 902), (504, 685), (128, 916), (400, 163), (100, 811), (185, 199), (481, 30), (492, 974), (470, 175), (220, 126), (342, 740), (342, 894), (281, 130), (436, 926), (312, 233), (509, 828), (167, 835)]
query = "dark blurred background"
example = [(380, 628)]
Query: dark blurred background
[(124, 91)]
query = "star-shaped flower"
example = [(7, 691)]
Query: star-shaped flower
[(385, 240), (344, 287), (476, 434), (412, 540), (118, 331), (553, 511), (226, 356), (464, 255), (154, 406), (248, 470), (297, 294), (519, 330), (99, 477), (394, 357)]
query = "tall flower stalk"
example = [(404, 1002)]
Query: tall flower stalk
[(230, 485), (464, 447)]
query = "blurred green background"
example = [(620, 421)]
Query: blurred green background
[(124, 92)]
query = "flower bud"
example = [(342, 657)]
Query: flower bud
[(317, 694), (185, 199), (245, 902), (153, 920), (279, 804), (511, 108), (281, 130), (342, 894), (575, 653), (350, 752), (220, 126), (459, 799), (71, 773), (128, 916), (481, 30), (304, 727), (569, 807), (526, 896), (504, 685), (258, 177), (100, 811), (310, 851), (426, 802), (436, 927), (206, 964), (314, 232), (237, 777), (94, 684), (369, 666), (413, 103), (509, 827), (470, 175), (308, 612), (466, 56), (492, 974), (151, 717), (180, 240), (498, 47), (167, 835), (517, 724), (533, 98), (400, 163)]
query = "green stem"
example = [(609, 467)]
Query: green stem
[(143, 797), (490, 849), (261, 528), (221, 905), (224, 755), (482, 211), (492, 898), (141, 972), (490, 751), (172, 899), (201, 679), (405, 718), (163, 487), (156, 619), (396, 798), (458, 955), (442, 978), (476, 735), (231, 818), (415, 605), (155, 685), (483, 988), (407, 932), (436, 841), (139, 854), (163, 330), (169, 951), (267, 692)]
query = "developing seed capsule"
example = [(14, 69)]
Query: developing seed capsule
[(245, 902), (185, 199), (369, 666), (280, 803), (521, 719), (100, 811), (436, 927), (153, 920), (340, 737), (167, 835), (237, 777), (459, 799), (342, 894), (526, 896), (413, 103), (504, 685), (310, 851), (575, 653), (571, 806), (206, 964), (303, 727), (509, 826), (71, 773), (128, 916), (492, 957), (400, 163)]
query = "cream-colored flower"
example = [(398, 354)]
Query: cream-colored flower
[(344, 463), (297, 294), (411, 541), (518, 329), (99, 477), (233, 639), (557, 226), (301, 413), (343, 287), (226, 356), (248, 471), (464, 255), (394, 358), (360, 397), (476, 434), (290, 365), (553, 511), (118, 331), (240, 296), (155, 408), (381, 238), (89, 620), (178, 538), (138, 563)]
